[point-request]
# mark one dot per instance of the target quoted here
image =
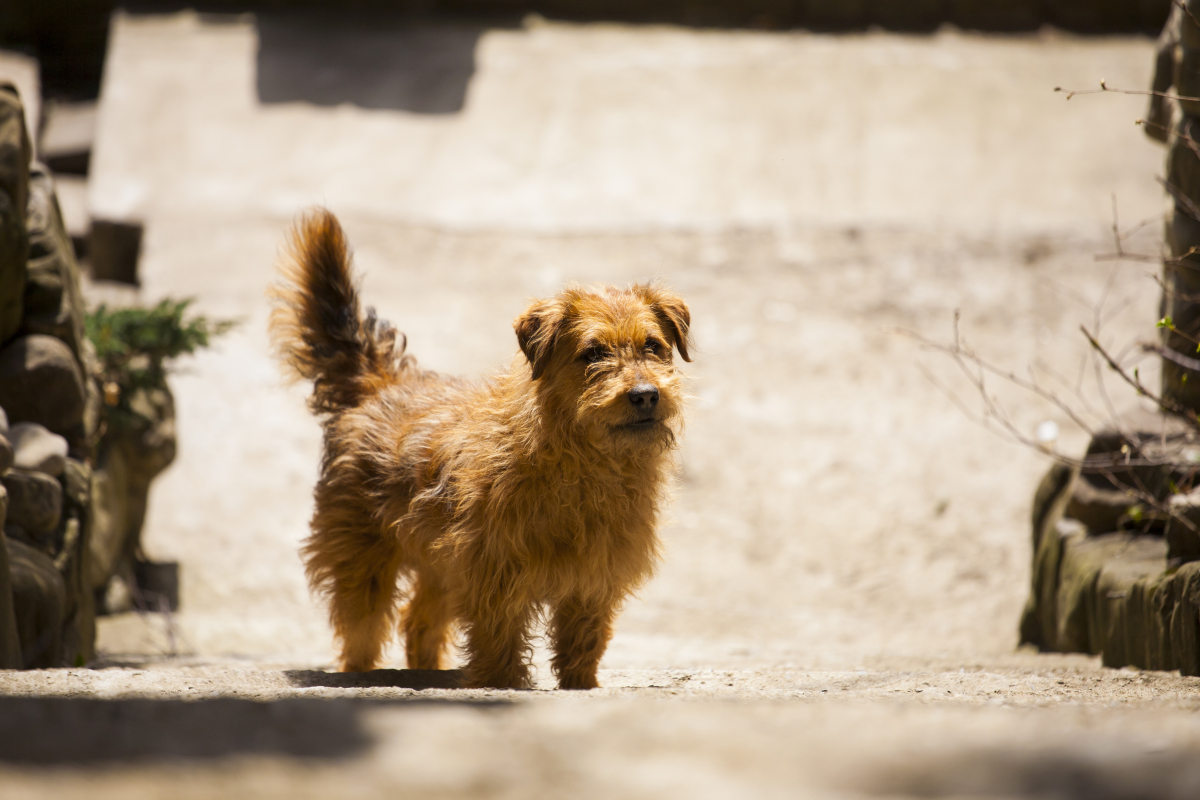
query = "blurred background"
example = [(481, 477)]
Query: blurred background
[(817, 179)]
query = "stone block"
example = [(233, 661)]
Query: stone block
[(37, 449), (35, 502), (39, 600), (1108, 493), (53, 303), (1183, 529), (1116, 596), (40, 381), (15, 155), (1039, 624), (10, 642), (77, 483)]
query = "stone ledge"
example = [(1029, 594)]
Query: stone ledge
[(1110, 594)]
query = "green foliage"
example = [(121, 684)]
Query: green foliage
[(134, 346)]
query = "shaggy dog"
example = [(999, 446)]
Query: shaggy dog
[(482, 504)]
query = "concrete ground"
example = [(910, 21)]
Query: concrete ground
[(847, 550)]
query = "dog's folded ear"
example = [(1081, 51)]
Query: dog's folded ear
[(673, 316), (537, 329)]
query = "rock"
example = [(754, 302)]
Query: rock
[(6, 454), (15, 155), (10, 642), (77, 483), (40, 381), (53, 302), (35, 502), (151, 444), (1183, 528), (39, 598), (110, 513), (37, 449), (1108, 493), (1039, 620), (17, 534), (127, 460)]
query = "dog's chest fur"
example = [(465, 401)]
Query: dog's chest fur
[(549, 499)]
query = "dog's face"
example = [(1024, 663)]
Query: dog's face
[(604, 357)]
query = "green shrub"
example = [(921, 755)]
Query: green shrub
[(134, 346)]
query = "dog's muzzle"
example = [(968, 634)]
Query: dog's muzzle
[(644, 399)]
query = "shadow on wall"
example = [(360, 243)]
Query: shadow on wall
[(367, 60)]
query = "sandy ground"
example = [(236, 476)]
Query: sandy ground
[(847, 550)]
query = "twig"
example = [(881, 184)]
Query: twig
[(1105, 88), (1188, 11), (1168, 406), (1172, 355)]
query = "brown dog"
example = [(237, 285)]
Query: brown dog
[(487, 501)]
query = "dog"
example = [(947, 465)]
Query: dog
[(445, 503)]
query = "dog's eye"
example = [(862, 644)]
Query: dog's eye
[(654, 347), (594, 354)]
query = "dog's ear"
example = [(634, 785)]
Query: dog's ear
[(537, 330), (673, 316)]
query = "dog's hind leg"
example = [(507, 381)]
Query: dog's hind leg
[(426, 623), (579, 634), (357, 570), (363, 610)]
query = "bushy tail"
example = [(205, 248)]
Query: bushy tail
[(317, 326)]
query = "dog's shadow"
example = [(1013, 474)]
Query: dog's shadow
[(417, 679)]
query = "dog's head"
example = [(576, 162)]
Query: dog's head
[(604, 358)]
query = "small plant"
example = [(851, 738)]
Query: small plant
[(134, 346)]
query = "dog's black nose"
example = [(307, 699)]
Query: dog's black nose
[(644, 397)]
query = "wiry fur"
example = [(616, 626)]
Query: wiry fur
[(486, 501)]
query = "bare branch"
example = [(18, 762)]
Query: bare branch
[(1188, 11), (1104, 88), (1172, 356), (1169, 406)]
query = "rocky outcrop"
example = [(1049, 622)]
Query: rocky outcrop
[(1116, 556), (73, 488), (1116, 542)]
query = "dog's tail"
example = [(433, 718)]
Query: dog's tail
[(317, 326)]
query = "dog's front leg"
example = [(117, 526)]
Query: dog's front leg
[(579, 634), (497, 643)]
